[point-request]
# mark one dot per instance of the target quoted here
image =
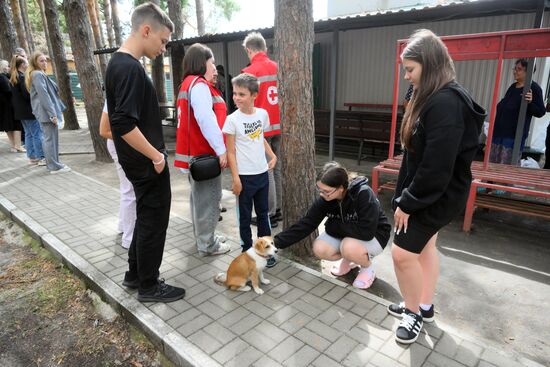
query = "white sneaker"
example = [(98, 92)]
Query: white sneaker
[(61, 170), (223, 248), (41, 162)]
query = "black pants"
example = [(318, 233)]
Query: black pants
[(255, 190), (153, 199)]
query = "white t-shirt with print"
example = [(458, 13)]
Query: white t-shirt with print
[(249, 140)]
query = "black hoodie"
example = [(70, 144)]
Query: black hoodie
[(358, 216), (435, 176)]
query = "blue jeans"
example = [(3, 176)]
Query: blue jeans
[(34, 137), (255, 190)]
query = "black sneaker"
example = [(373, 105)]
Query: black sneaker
[(278, 216), (161, 292), (128, 282), (272, 221), (397, 309), (271, 262), (409, 328)]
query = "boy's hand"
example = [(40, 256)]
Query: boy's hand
[(237, 186), (272, 163), (223, 160)]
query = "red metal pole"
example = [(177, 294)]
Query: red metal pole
[(395, 102), (494, 104)]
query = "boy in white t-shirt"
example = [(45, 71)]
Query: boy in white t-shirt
[(246, 154)]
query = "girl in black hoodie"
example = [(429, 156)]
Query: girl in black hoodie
[(439, 132), (356, 229)]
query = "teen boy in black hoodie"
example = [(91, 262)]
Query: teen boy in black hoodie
[(356, 229)]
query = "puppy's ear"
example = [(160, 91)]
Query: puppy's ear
[(259, 244)]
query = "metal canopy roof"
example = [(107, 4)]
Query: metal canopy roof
[(480, 8)]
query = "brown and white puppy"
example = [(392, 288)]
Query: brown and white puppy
[(249, 265)]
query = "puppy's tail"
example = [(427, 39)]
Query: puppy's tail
[(220, 278)]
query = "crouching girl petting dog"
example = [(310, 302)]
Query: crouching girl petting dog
[(356, 229)]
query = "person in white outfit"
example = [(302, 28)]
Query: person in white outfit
[(127, 210)]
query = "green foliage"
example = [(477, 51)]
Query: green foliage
[(227, 7)]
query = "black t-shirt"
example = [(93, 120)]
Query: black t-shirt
[(132, 102)]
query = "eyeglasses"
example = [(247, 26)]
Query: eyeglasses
[(325, 193)]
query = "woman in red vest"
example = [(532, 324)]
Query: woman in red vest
[(201, 114)]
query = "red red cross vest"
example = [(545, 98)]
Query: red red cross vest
[(266, 72), (199, 145)]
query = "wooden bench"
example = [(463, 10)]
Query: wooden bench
[(524, 182), (380, 106), (361, 126)]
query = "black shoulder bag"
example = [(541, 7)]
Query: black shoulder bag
[(205, 166)]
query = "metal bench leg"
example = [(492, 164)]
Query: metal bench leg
[(470, 207), (374, 184), (360, 153)]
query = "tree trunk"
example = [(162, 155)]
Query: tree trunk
[(79, 32), (46, 31), (200, 17), (94, 21), (157, 74), (174, 11), (98, 15), (116, 23), (19, 25), (176, 53), (8, 43), (58, 56), (109, 23), (25, 14), (294, 44)]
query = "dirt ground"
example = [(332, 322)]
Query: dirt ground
[(48, 318)]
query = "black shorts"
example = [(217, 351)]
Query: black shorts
[(417, 236)]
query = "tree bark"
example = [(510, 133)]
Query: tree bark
[(58, 56), (94, 21), (19, 25), (8, 43), (79, 33), (200, 17), (174, 11), (46, 31), (28, 28), (176, 53), (109, 23), (116, 23), (294, 44), (157, 74)]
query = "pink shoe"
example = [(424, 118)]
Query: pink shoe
[(364, 279), (342, 268)]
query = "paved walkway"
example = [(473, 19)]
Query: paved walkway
[(304, 318)]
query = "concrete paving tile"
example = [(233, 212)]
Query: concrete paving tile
[(224, 303), (234, 316), (439, 360), (307, 308), (230, 350), (292, 295), (295, 323), (259, 340), (268, 301), (298, 282), (359, 356), (468, 353), (194, 325), (317, 301), (285, 349), (211, 309), (184, 317), (381, 360), (302, 357), (324, 361), (245, 358), (323, 330), (199, 294), (336, 294), (341, 348), (271, 331), (448, 345), (322, 288), (164, 311), (246, 323), (283, 315), (392, 349), (265, 361), (258, 309), (364, 337), (312, 339), (414, 355), (331, 315), (377, 314), (499, 359), (347, 321), (220, 332)]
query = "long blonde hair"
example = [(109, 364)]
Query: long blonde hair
[(16, 62), (33, 65), (438, 70)]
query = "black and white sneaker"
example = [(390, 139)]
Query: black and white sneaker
[(397, 309), (409, 328), (161, 292)]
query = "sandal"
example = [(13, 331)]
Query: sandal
[(342, 268), (364, 279)]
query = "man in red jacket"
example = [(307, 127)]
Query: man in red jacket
[(266, 71)]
